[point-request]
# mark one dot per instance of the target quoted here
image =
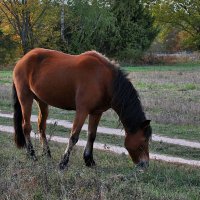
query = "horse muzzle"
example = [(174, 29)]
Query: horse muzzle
[(143, 165)]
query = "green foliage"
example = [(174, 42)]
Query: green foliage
[(47, 30), (26, 19), (135, 31), (87, 24), (181, 14), (121, 29), (7, 48)]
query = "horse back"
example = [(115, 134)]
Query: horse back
[(65, 81)]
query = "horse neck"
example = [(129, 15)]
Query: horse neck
[(131, 121), (127, 105)]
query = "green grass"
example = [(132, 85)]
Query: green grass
[(175, 67), (155, 147), (175, 150), (114, 177), (5, 106), (166, 86), (188, 132), (5, 77), (169, 94), (110, 119)]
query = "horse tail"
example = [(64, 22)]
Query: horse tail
[(18, 131)]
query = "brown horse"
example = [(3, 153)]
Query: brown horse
[(88, 83)]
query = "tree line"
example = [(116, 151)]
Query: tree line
[(179, 23), (121, 29)]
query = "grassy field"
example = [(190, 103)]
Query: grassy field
[(176, 67), (114, 177), (171, 99), (155, 147), (170, 95)]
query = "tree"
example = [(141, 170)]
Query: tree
[(24, 16), (86, 25), (134, 28), (180, 14), (112, 27)]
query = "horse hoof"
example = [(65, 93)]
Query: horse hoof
[(62, 166), (47, 154), (32, 157), (90, 163)]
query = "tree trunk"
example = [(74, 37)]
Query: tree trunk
[(26, 33), (62, 21)]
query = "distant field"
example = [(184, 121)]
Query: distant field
[(176, 67), (113, 178)]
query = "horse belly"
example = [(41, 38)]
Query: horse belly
[(55, 94)]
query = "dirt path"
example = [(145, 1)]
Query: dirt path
[(112, 131), (111, 148)]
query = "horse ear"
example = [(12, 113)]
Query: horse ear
[(145, 124)]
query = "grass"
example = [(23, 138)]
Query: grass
[(170, 95), (5, 76), (114, 177), (188, 132), (170, 99), (167, 86), (176, 114), (155, 147), (175, 67)]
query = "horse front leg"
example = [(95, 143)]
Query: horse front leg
[(77, 125), (92, 129)]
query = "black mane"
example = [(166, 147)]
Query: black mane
[(126, 102)]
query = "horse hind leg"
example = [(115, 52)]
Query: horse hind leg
[(26, 101), (92, 129), (42, 117)]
